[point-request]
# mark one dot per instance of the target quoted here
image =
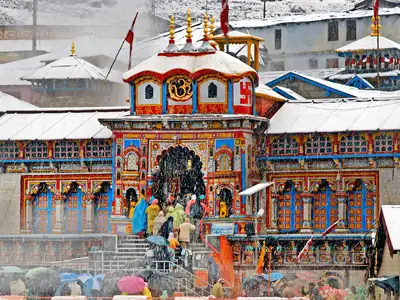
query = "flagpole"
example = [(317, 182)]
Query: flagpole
[(115, 59), (379, 53)]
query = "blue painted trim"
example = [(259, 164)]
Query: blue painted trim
[(55, 160), (132, 99), (291, 75), (49, 209), (283, 93), (194, 98), (111, 200), (78, 211), (164, 98), (230, 97), (243, 177), (304, 237), (317, 157)]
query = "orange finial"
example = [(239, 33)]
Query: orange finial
[(376, 26), (212, 27), (73, 50), (205, 27), (172, 29), (189, 27)]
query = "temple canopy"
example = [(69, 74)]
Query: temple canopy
[(369, 43)]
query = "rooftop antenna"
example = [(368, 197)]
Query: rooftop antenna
[(34, 27)]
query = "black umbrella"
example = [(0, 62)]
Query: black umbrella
[(145, 274), (110, 287), (159, 282), (44, 284)]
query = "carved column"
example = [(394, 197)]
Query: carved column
[(29, 202), (88, 227), (274, 213), (342, 213), (58, 228), (307, 213)]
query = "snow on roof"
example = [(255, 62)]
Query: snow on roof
[(57, 124), (392, 225), (307, 18), (317, 73), (265, 90), (369, 43), (340, 76), (8, 102), (336, 116), (71, 67), (217, 61)]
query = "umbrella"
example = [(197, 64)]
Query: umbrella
[(252, 282), (68, 277), (99, 277), (109, 287), (131, 284), (275, 276), (290, 276), (44, 284), (11, 270), (159, 282), (34, 272), (89, 285), (157, 240), (84, 277), (145, 274), (308, 276)]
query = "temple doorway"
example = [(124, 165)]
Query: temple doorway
[(45, 209), (179, 173), (130, 196), (224, 200)]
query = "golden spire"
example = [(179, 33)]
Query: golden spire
[(73, 50), (376, 26), (205, 27), (172, 29), (212, 26), (189, 27)]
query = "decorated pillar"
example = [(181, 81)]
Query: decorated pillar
[(274, 213), (29, 201), (89, 224), (342, 213), (58, 227), (307, 213)]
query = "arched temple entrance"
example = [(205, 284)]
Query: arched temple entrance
[(75, 209), (45, 209), (179, 172), (130, 196), (102, 207)]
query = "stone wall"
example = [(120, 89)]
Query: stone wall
[(10, 197), (389, 182), (390, 265)]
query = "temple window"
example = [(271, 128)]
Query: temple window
[(98, 148), (325, 208), (224, 163), (351, 33), (290, 209), (36, 149), (319, 145), (361, 208), (132, 162), (333, 30), (285, 146), (149, 92), (353, 144), (383, 143), (212, 90), (9, 150), (66, 149)]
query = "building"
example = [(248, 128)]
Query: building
[(309, 41)]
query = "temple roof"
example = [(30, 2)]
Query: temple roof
[(336, 116), (71, 67), (193, 64), (57, 124), (8, 102), (369, 43)]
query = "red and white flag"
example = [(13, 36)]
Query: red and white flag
[(129, 39), (331, 228), (376, 10), (225, 17), (305, 250)]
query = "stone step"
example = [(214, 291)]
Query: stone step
[(131, 249)]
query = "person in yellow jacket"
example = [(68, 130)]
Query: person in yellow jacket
[(217, 290), (146, 292), (152, 213)]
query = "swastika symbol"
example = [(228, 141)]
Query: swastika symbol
[(245, 92)]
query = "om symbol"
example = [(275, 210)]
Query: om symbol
[(180, 88)]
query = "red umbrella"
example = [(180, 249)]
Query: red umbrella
[(131, 285), (308, 276)]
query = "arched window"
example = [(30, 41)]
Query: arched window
[(132, 162), (98, 148), (285, 146), (66, 149), (149, 91), (36, 149), (290, 209), (319, 145), (9, 150), (383, 143), (361, 208), (325, 208), (224, 163), (353, 144), (212, 90)]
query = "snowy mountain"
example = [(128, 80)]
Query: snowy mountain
[(108, 12)]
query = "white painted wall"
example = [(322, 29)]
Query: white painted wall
[(10, 197), (237, 93), (221, 92), (141, 96)]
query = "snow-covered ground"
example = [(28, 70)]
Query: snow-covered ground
[(107, 12)]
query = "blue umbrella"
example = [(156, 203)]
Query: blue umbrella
[(99, 277), (68, 277), (84, 277), (157, 240), (275, 276), (89, 285)]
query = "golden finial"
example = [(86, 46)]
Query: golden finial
[(376, 26), (73, 50), (212, 26), (189, 27), (172, 29), (205, 27)]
